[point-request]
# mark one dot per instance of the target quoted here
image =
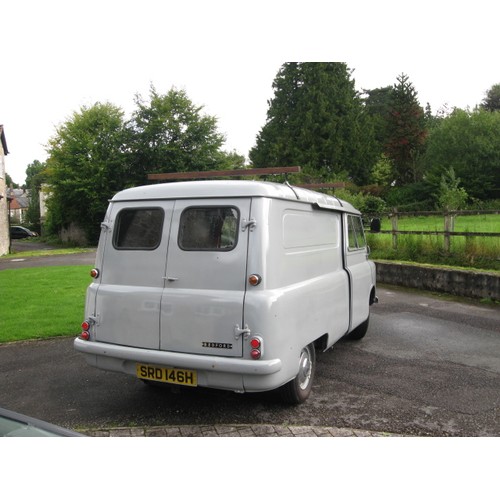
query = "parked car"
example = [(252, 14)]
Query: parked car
[(14, 424), (18, 232)]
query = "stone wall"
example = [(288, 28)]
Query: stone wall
[(472, 284), (73, 234)]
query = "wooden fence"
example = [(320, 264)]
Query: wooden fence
[(448, 225)]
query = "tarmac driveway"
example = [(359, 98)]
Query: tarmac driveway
[(23, 245), (427, 367)]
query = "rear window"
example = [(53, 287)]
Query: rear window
[(138, 228), (209, 228)]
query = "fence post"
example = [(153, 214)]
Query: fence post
[(394, 222), (449, 223)]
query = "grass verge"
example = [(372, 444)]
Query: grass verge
[(42, 302)]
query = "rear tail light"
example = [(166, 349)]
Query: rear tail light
[(256, 344), (94, 273), (85, 335)]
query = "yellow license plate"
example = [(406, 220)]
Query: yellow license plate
[(177, 376)]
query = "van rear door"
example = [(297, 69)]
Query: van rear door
[(205, 281), (132, 267)]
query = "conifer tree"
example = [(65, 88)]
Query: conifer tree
[(316, 120), (406, 132)]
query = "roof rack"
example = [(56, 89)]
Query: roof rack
[(208, 174)]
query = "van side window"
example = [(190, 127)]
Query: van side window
[(138, 229), (209, 228), (356, 233)]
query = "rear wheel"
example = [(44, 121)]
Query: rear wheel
[(298, 390)]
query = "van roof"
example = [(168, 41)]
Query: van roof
[(232, 189)]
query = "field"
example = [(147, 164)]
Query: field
[(42, 302), (465, 251)]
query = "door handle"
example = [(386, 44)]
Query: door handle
[(170, 278)]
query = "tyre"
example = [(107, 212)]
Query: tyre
[(298, 390), (360, 331)]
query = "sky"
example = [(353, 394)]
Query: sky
[(58, 56)]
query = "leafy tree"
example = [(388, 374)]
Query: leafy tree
[(451, 196), (406, 132), (35, 177), (169, 133), (492, 100), (316, 120), (9, 182), (86, 166), (468, 142)]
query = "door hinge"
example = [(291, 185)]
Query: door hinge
[(94, 320), (241, 331), (106, 226), (251, 223)]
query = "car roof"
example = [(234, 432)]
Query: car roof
[(232, 189), (15, 424)]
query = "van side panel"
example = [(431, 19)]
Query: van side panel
[(304, 293)]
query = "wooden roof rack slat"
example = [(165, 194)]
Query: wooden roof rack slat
[(322, 185), (244, 172)]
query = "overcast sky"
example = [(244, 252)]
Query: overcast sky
[(60, 55)]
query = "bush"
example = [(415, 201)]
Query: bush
[(365, 203), (418, 196)]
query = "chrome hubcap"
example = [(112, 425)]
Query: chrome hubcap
[(305, 369)]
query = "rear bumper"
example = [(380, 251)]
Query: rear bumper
[(177, 359)]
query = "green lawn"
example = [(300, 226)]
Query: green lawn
[(42, 302)]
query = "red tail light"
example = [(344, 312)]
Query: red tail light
[(94, 273), (256, 343), (85, 336), (255, 354)]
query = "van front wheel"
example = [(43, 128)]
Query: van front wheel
[(298, 390)]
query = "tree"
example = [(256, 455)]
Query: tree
[(451, 196), (86, 166), (468, 142), (316, 120), (492, 100), (35, 177), (406, 132), (378, 103), (9, 182), (169, 133)]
